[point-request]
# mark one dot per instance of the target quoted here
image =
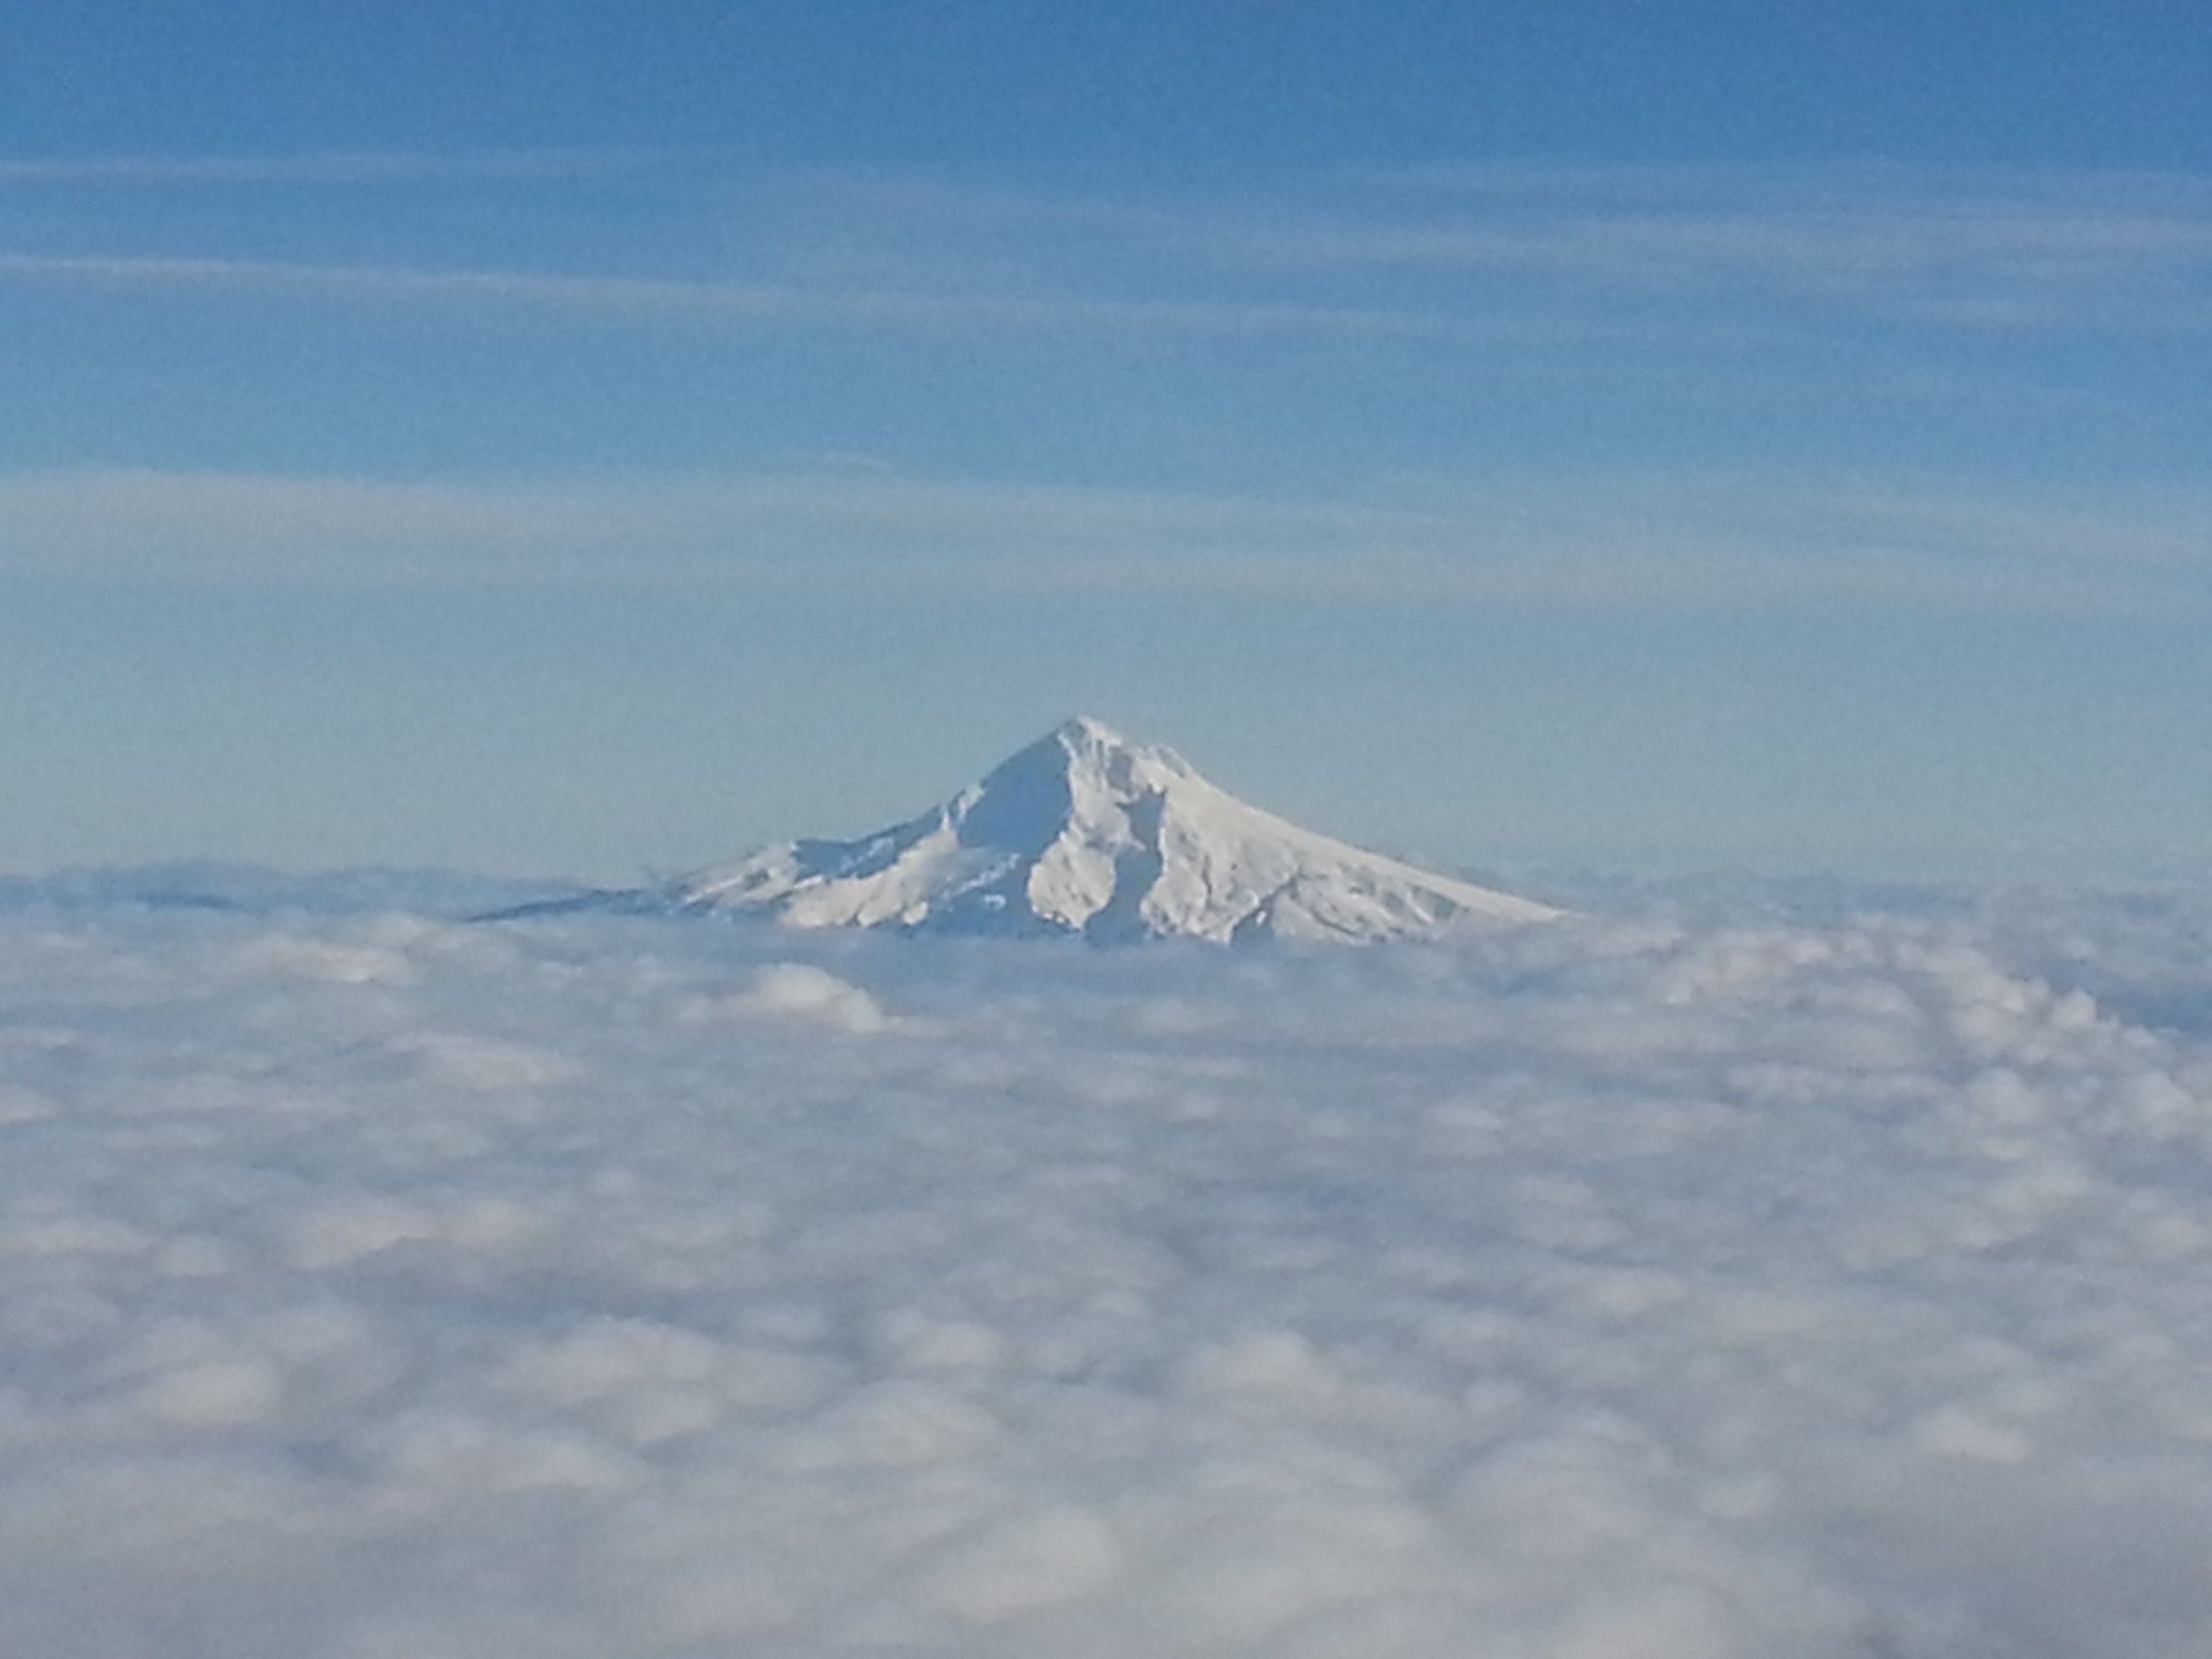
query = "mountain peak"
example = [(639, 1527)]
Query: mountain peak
[(1085, 744), (1085, 831), (1078, 769), (1081, 732)]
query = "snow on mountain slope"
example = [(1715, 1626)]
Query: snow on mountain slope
[(1086, 832)]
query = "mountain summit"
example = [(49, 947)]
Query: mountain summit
[(1085, 832)]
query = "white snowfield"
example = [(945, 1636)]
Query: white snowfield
[(1086, 832)]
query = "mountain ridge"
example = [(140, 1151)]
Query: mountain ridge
[(1085, 832)]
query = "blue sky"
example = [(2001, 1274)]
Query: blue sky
[(579, 439)]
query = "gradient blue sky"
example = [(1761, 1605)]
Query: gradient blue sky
[(576, 439)]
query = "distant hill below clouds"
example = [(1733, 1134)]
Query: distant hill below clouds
[(1085, 833), (211, 885)]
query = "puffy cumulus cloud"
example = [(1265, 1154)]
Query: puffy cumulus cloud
[(1720, 1281), (801, 991)]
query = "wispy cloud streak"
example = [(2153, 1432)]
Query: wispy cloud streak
[(2059, 251), (331, 167), (1701, 543), (729, 303), (1999, 251)]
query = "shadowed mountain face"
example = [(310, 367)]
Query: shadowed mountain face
[(1085, 832)]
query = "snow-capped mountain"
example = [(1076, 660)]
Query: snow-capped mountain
[(1085, 832)]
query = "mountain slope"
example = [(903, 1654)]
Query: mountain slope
[(1085, 832)]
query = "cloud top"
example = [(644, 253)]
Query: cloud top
[(1685, 1285)]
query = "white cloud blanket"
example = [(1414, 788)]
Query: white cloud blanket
[(373, 1286)]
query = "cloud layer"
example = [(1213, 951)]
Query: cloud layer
[(1820, 384), (1709, 542), (1648, 1287)]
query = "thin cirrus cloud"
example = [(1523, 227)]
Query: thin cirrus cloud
[(666, 300), (1964, 251), (1972, 251), (326, 167), (2005, 252), (1704, 543), (1985, 272)]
